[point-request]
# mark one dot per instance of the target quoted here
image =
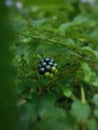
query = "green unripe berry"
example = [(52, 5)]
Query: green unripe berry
[(47, 74), (54, 69), (51, 75)]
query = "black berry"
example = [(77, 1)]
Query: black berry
[(43, 64), (50, 63), (48, 67), (42, 70), (42, 61), (52, 60), (47, 60)]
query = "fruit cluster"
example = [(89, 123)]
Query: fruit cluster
[(47, 67)]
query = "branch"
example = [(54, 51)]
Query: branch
[(51, 41)]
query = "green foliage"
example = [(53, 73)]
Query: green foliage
[(67, 32)]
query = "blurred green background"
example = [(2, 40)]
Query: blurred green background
[(7, 74)]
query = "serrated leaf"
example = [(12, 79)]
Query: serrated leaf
[(88, 75), (88, 50), (80, 19), (81, 111)]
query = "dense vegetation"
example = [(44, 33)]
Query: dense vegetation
[(66, 32)]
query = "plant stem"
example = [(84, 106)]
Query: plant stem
[(83, 101), (83, 127), (82, 95)]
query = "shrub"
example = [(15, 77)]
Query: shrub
[(67, 33)]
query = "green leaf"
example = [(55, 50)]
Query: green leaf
[(67, 92), (89, 51), (52, 125), (80, 19), (95, 112), (21, 49), (46, 104), (81, 111), (28, 115), (39, 22), (86, 74), (55, 113), (92, 124), (95, 99), (65, 26), (94, 34), (70, 41)]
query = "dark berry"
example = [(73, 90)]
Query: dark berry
[(41, 61), (47, 60), (55, 65), (42, 70), (50, 63), (51, 60), (48, 67), (54, 69), (43, 64)]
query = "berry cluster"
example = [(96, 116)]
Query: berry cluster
[(47, 67)]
